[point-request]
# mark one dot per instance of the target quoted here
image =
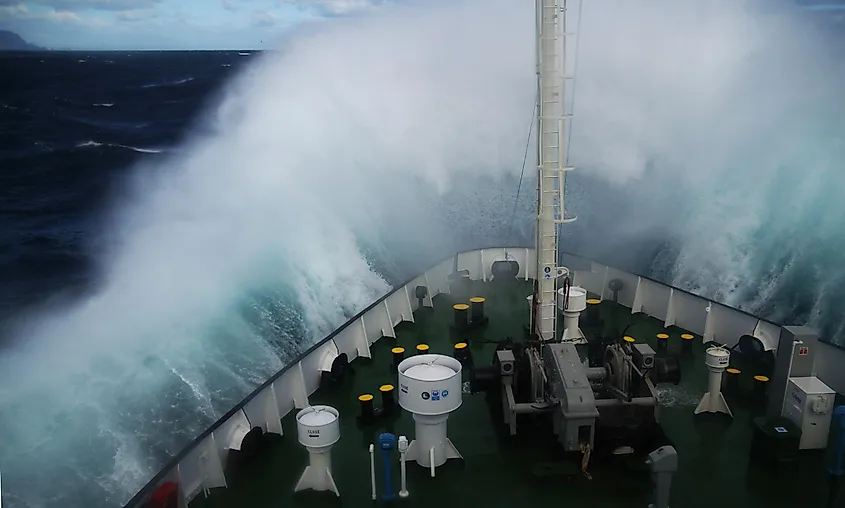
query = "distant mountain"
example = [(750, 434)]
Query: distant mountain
[(10, 41)]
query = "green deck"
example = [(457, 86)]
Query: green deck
[(497, 471)]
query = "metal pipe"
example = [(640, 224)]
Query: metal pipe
[(636, 401), (527, 407), (596, 373), (373, 469), (431, 460), (403, 449)]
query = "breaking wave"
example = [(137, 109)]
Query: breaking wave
[(367, 148), (95, 144), (291, 208)]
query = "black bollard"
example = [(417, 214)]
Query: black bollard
[(686, 342), (367, 411), (732, 381), (662, 341), (463, 355), (388, 403), (592, 317), (461, 320), (477, 311), (398, 355), (760, 385), (422, 349)]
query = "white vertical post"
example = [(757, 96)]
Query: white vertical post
[(373, 469), (552, 140), (431, 460), (403, 449)]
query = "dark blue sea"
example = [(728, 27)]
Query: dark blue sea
[(73, 125), (175, 226)]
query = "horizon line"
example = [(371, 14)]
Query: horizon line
[(72, 50)]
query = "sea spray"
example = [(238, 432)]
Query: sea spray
[(383, 134), (244, 246)]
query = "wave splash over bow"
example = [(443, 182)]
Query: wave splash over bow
[(259, 237), (719, 129), (709, 160)]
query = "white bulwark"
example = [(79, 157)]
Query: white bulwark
[(200, 465)]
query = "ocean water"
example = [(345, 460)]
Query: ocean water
[(178, 225)]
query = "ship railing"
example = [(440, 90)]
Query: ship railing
[(199, 467)]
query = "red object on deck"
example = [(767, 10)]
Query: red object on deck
[(166, 496)]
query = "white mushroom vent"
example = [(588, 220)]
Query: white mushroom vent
[(430, 389), (713, 401), (317, 428)]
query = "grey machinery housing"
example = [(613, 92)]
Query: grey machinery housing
[(602, 408)]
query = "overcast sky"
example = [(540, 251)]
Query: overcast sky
[(163, 24), (187, 24)]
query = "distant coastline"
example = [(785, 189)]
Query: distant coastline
[(10, 41)]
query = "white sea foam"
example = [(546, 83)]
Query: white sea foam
[(247, 245)]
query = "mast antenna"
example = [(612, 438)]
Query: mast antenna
[(553, 122)]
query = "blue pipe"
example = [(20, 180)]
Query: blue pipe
[(838, 468), (387, 442)]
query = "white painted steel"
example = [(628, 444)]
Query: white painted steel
[(553, 124), (202, 464), (422, 380), (317, 429)]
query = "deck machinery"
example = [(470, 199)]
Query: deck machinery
[(552, 372), (610, 408)]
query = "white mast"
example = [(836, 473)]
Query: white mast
[(552, 138)]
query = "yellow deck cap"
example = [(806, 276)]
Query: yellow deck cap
[(385, 388), (662, 335), (461, 345), (477, 299), (628, 338), (422, 347), (687, 336), (593, 301), (762, 379), (731, 370), (460, 306), (397, 350), (365, 397), (465, 275)]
